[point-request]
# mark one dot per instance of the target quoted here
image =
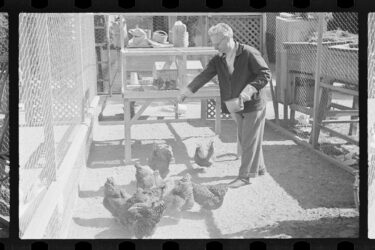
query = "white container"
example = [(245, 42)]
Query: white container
[(134, 78), (234, 105), (180, 35)]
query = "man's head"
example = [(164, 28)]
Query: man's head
[(221, 36)]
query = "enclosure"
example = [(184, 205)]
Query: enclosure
[(90, 106)]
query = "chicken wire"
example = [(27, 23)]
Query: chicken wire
[(4, 119), (57, 80), (295, 53), (371, 114)]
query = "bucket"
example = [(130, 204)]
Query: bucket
[(160, 36)]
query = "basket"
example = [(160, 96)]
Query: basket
[(160, 36)]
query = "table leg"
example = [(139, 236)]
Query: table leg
[(218, 115), (127, 135), (204, 110), (353, 129)]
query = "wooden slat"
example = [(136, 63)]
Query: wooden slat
[(339, 121), (342, 112), (339, 89), (342, 136), (169, 51), (301, 109)]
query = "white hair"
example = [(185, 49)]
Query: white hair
[(221, 28)]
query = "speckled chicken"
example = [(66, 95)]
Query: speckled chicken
[(203, 158), (126, 218), (209, 196), (181, 196), (144, 176), (142, 217), (114, 197), (160, 159)]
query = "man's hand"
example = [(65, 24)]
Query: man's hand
[(248, 92), (181, 98), (184, 93)]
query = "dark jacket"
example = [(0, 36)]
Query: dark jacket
[(249, 68)]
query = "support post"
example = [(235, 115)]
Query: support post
[(317, 81)]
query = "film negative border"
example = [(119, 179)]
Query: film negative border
[(61, 6)]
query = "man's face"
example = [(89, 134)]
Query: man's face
[(220, 43)]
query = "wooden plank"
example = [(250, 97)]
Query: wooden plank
[(338, 89), (218, 115), (172, 14), (342, 136), (127, 131), (339, 121), (339, 106), (140, 111), (169, 51), (342, 112), (317, 105), (162, 121), (170, 94)]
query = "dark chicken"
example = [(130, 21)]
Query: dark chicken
[(210, 197), (146, 217), (114, 197), (128, 218), (144, 176), (202, 158), (160, 159)]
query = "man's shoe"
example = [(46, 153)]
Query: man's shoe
[(238, 183), (262, 171)]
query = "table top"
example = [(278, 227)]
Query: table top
[(169, 51), (170, 94)]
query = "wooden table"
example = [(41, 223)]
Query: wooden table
[(149, 96)]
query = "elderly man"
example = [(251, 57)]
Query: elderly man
[(242, 74)]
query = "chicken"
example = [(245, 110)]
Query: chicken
[(160, 159), (114, 197), (143, 216), (209, 196), (204, 159), (144, 176), (124, 217), (181, 196), (127, 219), (146, 217)]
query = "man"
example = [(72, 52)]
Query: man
[(242, 74)]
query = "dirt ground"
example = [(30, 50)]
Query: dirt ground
[(301, 196)]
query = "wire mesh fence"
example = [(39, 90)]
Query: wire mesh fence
[(300, 60), (4, 117), (371, 114), (57, 78)]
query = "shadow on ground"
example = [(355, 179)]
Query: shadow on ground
[(322, 228)]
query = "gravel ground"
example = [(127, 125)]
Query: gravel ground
[(301, 196)]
